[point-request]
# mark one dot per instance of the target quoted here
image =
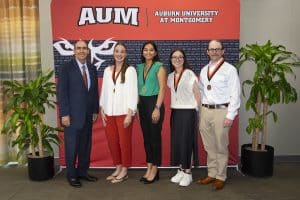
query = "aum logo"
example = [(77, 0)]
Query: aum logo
[(127, 16), (65, 48)]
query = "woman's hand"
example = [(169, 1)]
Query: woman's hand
[(103, 117), (95, 116), (137, 115), (127, 120), (155, 115)]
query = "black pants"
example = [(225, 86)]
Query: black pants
[(184, 138), (151, 131)]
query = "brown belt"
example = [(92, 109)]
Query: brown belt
[(215, 106)]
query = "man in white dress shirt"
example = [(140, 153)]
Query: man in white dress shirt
[(220, 98)]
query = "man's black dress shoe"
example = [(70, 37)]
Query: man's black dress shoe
[(89, 178), (74, 182)]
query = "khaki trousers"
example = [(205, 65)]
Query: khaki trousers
[(215, 140)]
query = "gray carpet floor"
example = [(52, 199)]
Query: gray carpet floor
[(283, 185)]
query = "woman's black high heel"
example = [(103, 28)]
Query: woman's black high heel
[(142, 179), (156, 178)]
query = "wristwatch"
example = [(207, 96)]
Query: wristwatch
[(157, 107)]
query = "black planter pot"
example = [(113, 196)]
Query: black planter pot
[(257, 163), (40, 169)]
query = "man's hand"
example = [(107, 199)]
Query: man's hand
[(227, 122), (65, 121)]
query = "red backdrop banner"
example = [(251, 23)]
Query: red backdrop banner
[(171, 23)]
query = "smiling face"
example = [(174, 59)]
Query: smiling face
[(81, 51), (149, 52), (177, 60), (120, 53), (215, 50)]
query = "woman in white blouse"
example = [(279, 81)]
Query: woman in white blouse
[(118, 103), (185, 98)]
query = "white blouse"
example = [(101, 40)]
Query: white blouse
[(184, 97), (116, 99)]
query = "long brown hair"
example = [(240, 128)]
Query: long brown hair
[(125, 64), (185, 62)]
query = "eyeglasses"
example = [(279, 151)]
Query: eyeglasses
[(215, 50), (177, 58), (81, 48)]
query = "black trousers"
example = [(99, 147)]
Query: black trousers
[(184, 138), (151, 131), (78, 143)]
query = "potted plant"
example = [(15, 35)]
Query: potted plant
[(268, 86), (25, 108)]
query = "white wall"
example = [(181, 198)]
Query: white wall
[(276, 20), (261, 20), (47, 51)]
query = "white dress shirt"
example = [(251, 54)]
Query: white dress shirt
[(225, 88), (116, 99), (183, 98)]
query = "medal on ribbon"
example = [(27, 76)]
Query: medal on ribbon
[(211, 74), (143, 89), (115, 77)]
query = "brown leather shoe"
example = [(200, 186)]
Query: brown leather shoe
[(206, 180), (218, 184)]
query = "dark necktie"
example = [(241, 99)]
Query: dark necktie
[(84, 76)]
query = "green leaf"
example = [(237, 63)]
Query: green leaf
[(25, 107), (272, 65)]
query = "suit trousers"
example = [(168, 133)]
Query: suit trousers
[(151, 131), (119, 140), (78, 143), (215, 140)]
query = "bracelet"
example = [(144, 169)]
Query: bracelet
[(157, 107)]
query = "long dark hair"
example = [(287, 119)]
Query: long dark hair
[(185, 62), (156, 57), (125, 64)]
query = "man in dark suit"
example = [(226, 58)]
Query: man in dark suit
[(78, 109)]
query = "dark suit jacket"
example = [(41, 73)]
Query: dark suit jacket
[(73, 97)]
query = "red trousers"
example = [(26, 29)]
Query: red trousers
[(119, 140)]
